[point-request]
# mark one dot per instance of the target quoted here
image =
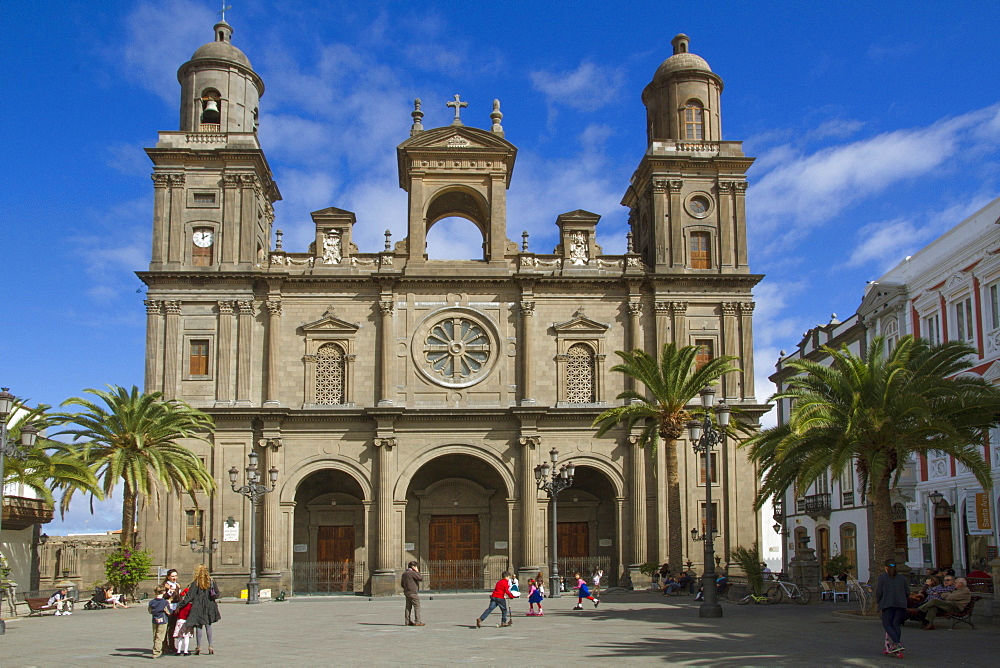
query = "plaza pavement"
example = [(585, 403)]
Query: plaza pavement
[(640, 628)]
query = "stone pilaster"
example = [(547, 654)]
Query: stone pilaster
[(244, 351), (527, 326), (270, 449), (161, 218), (386, 308), (730, 346), (637, 495), (746, 349), (726, 226), (224, 355), (171, 349), (531, 556), (740, 188), (273, 351), (230, 219), (384, 577), (154, 335), (679, 312), (662, 318), (677, 258)]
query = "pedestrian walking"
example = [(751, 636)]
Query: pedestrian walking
[(891, 590), (536, 594), (498, 599), (171, 593), (410, 582), (596, 579), (583, 593), (202, 595)]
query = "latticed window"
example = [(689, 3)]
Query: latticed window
[(330, 374), (694, 125), (580, 384)]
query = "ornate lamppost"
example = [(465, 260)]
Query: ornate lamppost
[(253, 490), (9, 449), (203, 548), (704, 437), (558, 481)]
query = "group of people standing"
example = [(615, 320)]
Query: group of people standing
[(181, 614)]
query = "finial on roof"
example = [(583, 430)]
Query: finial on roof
[(781, 353), (418, 116), (629, 248), (457, 104), (524, 241), (680, 43), (833, 319), (223, 12), (388, 236), (277, 239), (496, 116)]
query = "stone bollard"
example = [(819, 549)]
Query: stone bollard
[(804, 568)]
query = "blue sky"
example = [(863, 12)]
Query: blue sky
[(876, 127)]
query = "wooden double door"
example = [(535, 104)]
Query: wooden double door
[(574, 540), (454, 551), (335, 554)]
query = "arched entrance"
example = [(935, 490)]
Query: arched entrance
[(587, 532), (458, 523), (329, 547)]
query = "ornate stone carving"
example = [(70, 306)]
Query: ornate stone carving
[(578, 247), (245, 307), (634, 308), (172, 307), (740, 186), (725, 187), (676, 186), (659, 186), (153, 307), (679, 307), (385, 306), (730, 308), (231, 180), (662, 308), (332, 253), (249, 181), (389, 442), (177, 180), (527, 307), (225, 307), (160, 180), (273, 442), (746, 308), (529, 441), (274, 307)]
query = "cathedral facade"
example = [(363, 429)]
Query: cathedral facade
[(406, 402)]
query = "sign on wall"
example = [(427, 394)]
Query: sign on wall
[(977, 514), (918, 530), (300, 547), (231, 534)]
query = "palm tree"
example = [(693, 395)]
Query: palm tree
[(135, 440), (670, 387), (877, 412), (49, 466)]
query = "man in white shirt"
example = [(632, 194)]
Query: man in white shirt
[(61, 602)]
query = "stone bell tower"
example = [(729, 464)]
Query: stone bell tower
[(213, 188), (686, 200), (461, 171)]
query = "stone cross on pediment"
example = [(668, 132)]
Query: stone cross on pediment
[(457, 104)]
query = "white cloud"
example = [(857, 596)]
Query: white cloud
[(884, 244), (587, 87), (116, 245), (811, 190), (837, 128), (454, 239)]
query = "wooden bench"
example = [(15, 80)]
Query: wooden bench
[(36, 606), (964, 616)]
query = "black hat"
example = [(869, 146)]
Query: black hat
[(891, 563)]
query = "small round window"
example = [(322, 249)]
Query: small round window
[(455, 348)]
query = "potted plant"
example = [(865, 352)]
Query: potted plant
[(838, 567), (651, 569)]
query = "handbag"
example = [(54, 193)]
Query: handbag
[(213, 591)]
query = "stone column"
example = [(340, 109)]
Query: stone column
[(730, 346), (637, 495), (527, 360), (273, 351), (620, 536), (161, 217), (171, 349), (224, 356), (726, 224), (634, 336), (248, 216), (270, 448), (385, 306), (154, 329), (175, 241), (677, 258), (531, 557), (741, 223), (286, 556), (679, 310), (244, 352), (662, 325), (230, 236), (746, 349), (384, 578), (661, 224)]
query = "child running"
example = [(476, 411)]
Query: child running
[(583, 593), (535, 596)]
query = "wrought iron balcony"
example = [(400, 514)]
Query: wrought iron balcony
[(817, 504)]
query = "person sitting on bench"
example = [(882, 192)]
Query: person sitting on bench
[(954, 601), (61, 602)]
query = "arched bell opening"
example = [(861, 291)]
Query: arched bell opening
[(458, 523), (587, 528), (329, 547), (449, 234)]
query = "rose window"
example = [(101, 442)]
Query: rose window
[(456, 349)]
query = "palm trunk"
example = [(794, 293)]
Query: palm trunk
[(883, 539), (675, 534), (129, 499)]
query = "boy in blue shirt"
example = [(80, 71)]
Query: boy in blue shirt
[(159, 608)]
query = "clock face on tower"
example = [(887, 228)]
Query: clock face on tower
[(203, 238)]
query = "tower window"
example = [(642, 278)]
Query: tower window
[(580, 374), (198, 357), (704, 354), (202, 243), (211, 108), (694, 123), (701, 255)]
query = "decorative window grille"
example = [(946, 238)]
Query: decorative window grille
[(329, 375), (580, 375)]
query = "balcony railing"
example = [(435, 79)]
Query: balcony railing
[(817, 504)]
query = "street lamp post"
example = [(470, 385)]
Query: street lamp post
[(9, 449), (203, 548), (552, 482), (704, 437), (253, 490)]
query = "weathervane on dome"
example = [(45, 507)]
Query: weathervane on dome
[(224, 8)]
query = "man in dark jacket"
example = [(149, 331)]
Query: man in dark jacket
[(410, 582)]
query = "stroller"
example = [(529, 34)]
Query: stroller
[(97, 600)]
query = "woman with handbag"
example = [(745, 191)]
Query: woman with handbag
[(202, 595)]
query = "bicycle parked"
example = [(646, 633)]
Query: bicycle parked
[(780, 589), (764, 599)]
